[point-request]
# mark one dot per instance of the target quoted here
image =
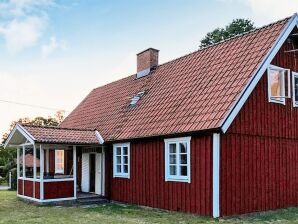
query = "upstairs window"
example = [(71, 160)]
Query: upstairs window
[(177, 159), (277, 84), (295, 88), (59, 161), (121, 160)]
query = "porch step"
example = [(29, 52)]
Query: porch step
[(92, 200)]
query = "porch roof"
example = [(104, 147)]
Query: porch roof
[(23, 133)]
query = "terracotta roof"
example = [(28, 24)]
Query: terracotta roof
[(192, 93), (49, 134), (29, 161)]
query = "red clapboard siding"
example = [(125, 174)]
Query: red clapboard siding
[(37, 190), (259, 153), (62, 189), (28, 188), (20, 187), (147, 185)]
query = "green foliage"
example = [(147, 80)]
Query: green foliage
[(236, 27)]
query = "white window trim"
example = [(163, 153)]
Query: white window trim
[(59, 171), (177, 178), (115, 173), (295, 101), (282, 98)]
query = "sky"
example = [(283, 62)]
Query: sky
[(54, 52)]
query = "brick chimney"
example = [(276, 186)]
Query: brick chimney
[(146, 61)]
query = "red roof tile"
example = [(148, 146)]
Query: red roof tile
[(46, 134), (199, 88)]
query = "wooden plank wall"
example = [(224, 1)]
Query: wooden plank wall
[(147, 185), (259, 155)]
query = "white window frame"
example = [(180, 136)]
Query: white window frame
[(279, 99), (177, 177), (121, 174), (57, 170), (295, 101)]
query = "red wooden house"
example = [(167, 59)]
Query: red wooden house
[(214, 132)]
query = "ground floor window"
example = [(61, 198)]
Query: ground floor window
[(59, 161), (121, 160), (177, 159)]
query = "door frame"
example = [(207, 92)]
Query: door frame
[(102, 176)]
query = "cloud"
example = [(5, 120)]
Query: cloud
[(23, 22), (19, 35), (273, 9), (53, 46), (266, 11)]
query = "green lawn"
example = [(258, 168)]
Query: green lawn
[(15, 211)]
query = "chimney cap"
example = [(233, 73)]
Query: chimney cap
[(150, 48)]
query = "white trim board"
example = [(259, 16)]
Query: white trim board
[(216, 176), (23, 131), (259, 73)]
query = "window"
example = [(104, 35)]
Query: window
[(177, 159), (121, 158), (295, 88), (277, 83), (59, 161)]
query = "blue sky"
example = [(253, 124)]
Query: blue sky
[(52, 53)]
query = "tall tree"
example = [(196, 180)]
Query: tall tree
[(236, 27)]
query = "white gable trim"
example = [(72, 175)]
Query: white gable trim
[(23, 131), (259, 72), (99, 137)]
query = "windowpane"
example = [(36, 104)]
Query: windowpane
[(183, 170), (118, 151), (296, 89), (173, 170), (172, 148), (125, 159), (125, 168), (173, 159), (183, 147), (118, 168), (125, 151), (276, 83), (118, 159), (183, 159)]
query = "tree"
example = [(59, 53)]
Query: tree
[(236, 27), (8, 155), (41, 121)]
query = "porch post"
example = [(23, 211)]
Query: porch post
[(24, 172), (18, 168), (47, 160), (74, 171), (34, 169), (24, 166), (41, 173)]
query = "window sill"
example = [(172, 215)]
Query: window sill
[(172, 179), (121, 176)]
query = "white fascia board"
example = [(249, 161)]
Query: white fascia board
[(99, 137), (23, 131), (258, 74)]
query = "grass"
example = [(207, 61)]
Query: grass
[(15, 211)]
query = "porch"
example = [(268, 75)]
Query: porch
[(50, 172)]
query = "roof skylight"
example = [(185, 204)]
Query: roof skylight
[(136, 98)]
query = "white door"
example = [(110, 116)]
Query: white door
[(85, 185), (98, 174)]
